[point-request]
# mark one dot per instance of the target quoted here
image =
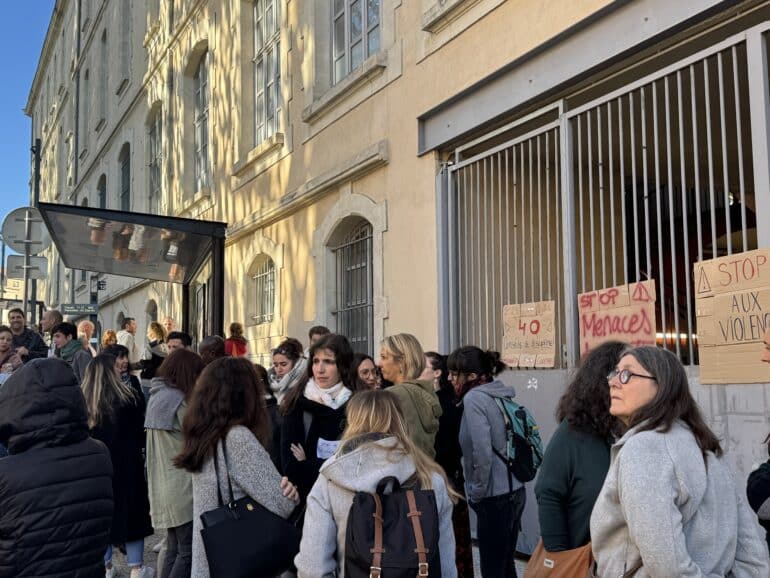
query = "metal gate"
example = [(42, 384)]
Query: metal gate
[(650, 177)]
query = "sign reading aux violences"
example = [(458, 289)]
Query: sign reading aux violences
[(732, 298)]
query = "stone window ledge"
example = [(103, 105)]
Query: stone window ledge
[(272, 143), (371, 68), (442, 12), (198, 199)]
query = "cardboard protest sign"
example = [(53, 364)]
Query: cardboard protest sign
[(732, 307), (528, 336), (624, 313)]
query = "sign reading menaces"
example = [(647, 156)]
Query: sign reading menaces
[(732, 300), (624, 313)]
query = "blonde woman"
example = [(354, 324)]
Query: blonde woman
[(109, 338), (375, 445), (402, 361), (155, 350), (85, 331), (116, 418)]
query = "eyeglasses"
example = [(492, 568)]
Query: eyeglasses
[(625, 375)]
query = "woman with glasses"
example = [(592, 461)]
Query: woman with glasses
[(578, 456), (365, 372), (669, 505)]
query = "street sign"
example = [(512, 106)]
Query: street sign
[(79, 309), (15, 231), (38, 267)]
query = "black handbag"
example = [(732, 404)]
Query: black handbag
[(243, 539)]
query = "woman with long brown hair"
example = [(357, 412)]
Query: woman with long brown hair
[(116, 418), (170, 488), (375, 445), (227, 420)]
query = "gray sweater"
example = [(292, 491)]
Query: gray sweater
[(662, 504), (322, 551), (252, 473), (481, 429)]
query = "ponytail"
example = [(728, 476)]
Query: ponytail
[(471, 359)]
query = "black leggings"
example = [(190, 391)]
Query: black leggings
[(497, 530), (178, 560)]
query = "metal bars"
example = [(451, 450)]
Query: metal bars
[(355, 302), (264, 291), (505, 209)]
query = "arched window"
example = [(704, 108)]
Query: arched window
[(262, 273), (124, 160), (352, 248), (201, 123)]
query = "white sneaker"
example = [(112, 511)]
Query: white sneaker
[(142, 572), (159, 546), (109, 572)]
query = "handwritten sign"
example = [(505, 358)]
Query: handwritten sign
[(624, 313), (732, 307), (528, 334)]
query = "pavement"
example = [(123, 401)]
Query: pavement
[(151, 559)]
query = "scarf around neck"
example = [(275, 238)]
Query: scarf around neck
[(333, 397), (68, 351)]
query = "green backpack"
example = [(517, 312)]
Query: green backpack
[(524, 448)]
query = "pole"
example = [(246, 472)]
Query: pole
[(2, 270), (35, 201), (27, 231)]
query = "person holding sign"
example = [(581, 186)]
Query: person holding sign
[(314, 411), (669, 505)]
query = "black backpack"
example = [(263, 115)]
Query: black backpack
[(393, 535)]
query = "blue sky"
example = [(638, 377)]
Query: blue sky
[(22, 40)]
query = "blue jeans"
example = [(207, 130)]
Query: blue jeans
[(134, 553)]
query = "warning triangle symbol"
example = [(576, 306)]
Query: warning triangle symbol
[(703, 282), (641, 294)]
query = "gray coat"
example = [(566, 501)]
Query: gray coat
[(662, 504), (322, 551), (481, 429), (252, 473)]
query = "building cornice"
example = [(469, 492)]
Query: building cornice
[(51, 36)]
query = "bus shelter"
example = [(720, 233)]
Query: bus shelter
[(143, 246)]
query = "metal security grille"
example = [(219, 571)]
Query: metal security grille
[(201, 124), (662, 177), (505, 235), (354, 313), (154, 165), (264, 295)]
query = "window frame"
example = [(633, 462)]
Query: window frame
[(202, 174), (155, 161), (124, 161), (344, 9), (266, 45), (264, 287)]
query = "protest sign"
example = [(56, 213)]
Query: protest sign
[(732, 304), (529, 335), (624, 313)]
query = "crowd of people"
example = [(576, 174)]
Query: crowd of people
[(106, 444)]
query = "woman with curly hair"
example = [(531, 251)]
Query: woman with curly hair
[(578, 456)]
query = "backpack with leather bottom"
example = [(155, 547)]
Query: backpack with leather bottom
[(393, 534)]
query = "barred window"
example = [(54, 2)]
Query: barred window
[(154, 163), (264, 290), (354, 287), (125, 177)]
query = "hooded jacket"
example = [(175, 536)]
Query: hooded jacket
[(56, 484), (421, 408), (482, 428), (359, 469), (663, 505)]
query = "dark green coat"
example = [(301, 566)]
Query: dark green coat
[(571, 476)]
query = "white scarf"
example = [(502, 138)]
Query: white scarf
[(333, 397)]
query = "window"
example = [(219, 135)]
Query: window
[(85, 109), (267, 68), (201, 123), (171, 16), (101, 191), (155, 158), (104, 74), (354, 287), (125, 177), (355, 34), (125, 43), (264, 289)]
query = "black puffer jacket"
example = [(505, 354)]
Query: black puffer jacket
[(56, 484)]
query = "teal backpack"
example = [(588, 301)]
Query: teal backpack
[(524, 448)]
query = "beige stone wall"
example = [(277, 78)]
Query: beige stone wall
[(351, 147)]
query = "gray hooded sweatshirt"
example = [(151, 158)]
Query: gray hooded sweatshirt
[(481, 429), (322, 551), (660, 503)]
